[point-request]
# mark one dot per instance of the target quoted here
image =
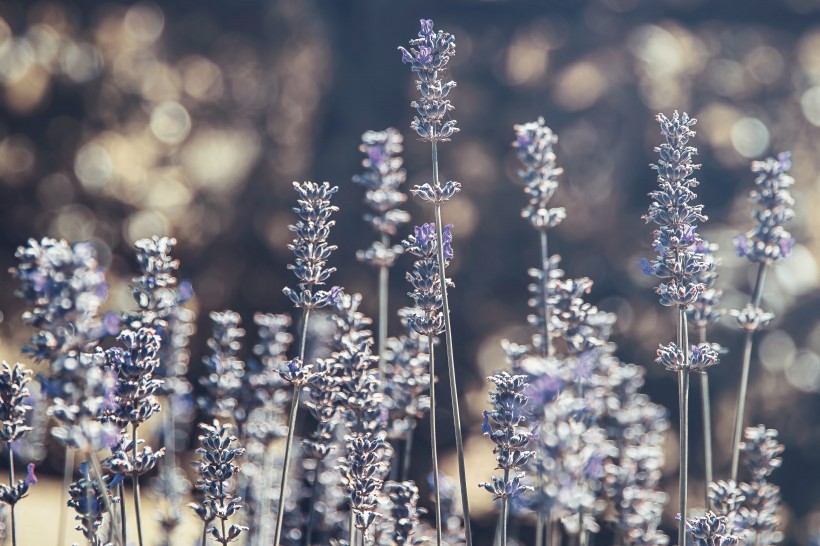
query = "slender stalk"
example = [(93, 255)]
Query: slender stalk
[(684, 426), (744, 375), (204, 534), (68, 471), (548, 530), (539, 528), (109, 504), (707, 424), (135, 479), (545, 271), (224, 540), (451, 366), (408, 451), (582, 535), (433, 441), (384, 280), (123, 516), (351, 540), (294, 408), (504, 508), (11, 506)]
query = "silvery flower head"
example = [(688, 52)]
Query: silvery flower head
[(224, 371), (426, 278), (362, 473), (64, 287), (504, 426), (710, 530), (705, 308), (382, 178), (134, 365), (14, 393), (217, 467), (128, 459), (534, 142), (429, 60), (761, 451), (405, 511), (310, 247), (699, 356), (154, 289), (678, 263), (768, 242)]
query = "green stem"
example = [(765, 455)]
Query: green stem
[(451, 366), (684, 426), (707, 424), (135, 479), (11, 485), (545, 272), (294, 409), (744, 375), (433, 441), (384, 280), (68, 471)]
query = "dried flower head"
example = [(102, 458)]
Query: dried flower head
[(534, 142)]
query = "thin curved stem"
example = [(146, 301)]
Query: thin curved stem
[(294, 409), (707, 424), (451, 366), (384, 284), (545, 272), (433, 440), (109, 504), (744, 375), (135, 478), (204, 534), (68, 470), (504, 511), (683, 377), (11, 485), (123, 516)]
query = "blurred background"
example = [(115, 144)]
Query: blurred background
[(120, 120)]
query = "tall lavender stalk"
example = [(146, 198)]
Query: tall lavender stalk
[(311, 251), (704, 311), (508, 415), (678, 264), (382, 178), (766, 244), (429, 62), (427, 320)]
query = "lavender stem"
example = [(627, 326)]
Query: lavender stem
[(433, 441), (384, 280), (451, 367), (294, 408), (707, 425), (684, 426), (68, 470), (11, 484), (744, 376), (135, 478), (545, 271)]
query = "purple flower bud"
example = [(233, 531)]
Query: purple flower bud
[(31, 479), (426, 28), (646, 267)]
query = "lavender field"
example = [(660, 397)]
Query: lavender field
[(367, 273)]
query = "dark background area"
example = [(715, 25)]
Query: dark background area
[(120, 120)]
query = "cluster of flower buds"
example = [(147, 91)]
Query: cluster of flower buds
[(224, 370), (768, 242), (362, 470), (534, 143), (134, 365), (217, 468), (405, 511), (705, 308), (698, 359), (310, 247), (382, 178), (427, 320), (710, 530), (14, 395), (508, 415), (429, 62), (87, 496), (679, 262)]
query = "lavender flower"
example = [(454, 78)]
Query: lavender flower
[(534, 142), (752, 318), (136, 386), (768, 242), (429, 61), (698, 359), (405, 512), (760, 451), (223, 379), (705, 308), (710, 530), (216, 470), (310, 246), (426, 279), (87, 496), (382, 178), (13, 396), (362, 471)]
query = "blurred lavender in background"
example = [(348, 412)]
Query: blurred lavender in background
[(122, 120)]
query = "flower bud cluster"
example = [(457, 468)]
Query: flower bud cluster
[(363, 473), (429, 62), (135, 393), (217, 468), (705, 308), (427, 320), (405, 511), (534, 143), (224, 370), (679, 263), (14, 395), (310, 247), (710, 530), (769, 242), (699, 357), (87, 498), (382, 178), (509, 416)]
